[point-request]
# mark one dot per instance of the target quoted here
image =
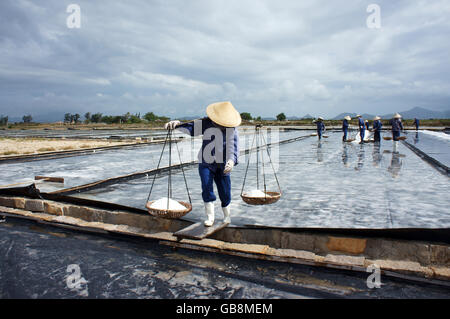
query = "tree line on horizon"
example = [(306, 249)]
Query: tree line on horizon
[(248, 117), (127, 118)]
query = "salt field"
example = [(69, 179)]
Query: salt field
[(82, 134), (434, 144), (325, 184)]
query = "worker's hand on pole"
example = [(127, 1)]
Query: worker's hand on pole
[(172, 125), (228, 166)]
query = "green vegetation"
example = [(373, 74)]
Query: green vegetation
[(246, 116), (27, 118), (127, 118), (3, 120), (281, 117)]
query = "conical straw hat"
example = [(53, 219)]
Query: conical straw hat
[(376, 118), (224, 114), (348, 118), (397, 116)]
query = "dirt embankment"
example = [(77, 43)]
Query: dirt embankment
[(26, 146)]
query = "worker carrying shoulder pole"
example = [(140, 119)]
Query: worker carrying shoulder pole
[(362, 127), (218, 155), (396, 126), (345, 125), (377, 126), (320, 127)]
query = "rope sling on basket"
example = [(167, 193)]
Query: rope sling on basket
[(258, 197), (179, 208)]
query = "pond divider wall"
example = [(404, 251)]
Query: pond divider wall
[(411, 259)]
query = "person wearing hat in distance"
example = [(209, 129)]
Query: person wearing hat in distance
[(362, 127), (377, 129), (416, 123), (396, 126), (218, 155), (320, 127), (345, 125)]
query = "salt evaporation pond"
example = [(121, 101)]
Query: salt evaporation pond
[(325, 184), (80, 170), (434, 144), (83, 134)]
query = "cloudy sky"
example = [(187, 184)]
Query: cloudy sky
[(265, 56)]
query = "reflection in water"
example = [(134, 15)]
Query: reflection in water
[(361, 155), (319, 152), (416, 138), (396, 162), (376, 155), (345, 155)]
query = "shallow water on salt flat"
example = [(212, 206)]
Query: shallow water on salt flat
[(324, 184), (80, 170), (434, 144)]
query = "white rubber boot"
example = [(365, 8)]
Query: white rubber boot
[(209, 209), (226, 214)]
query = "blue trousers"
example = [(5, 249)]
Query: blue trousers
[(344, 138), (377, 136), (395, 135), (362, 132), (214, 173)]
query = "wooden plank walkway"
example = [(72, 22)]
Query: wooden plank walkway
[(199, 231)]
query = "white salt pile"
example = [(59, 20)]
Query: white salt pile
[(256, 194), (161, 204)]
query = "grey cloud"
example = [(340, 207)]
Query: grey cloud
[(314, 57)]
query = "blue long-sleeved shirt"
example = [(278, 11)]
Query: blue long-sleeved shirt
[(396, 125), (213, 152), (320, 126), (377, 125), (362, 125), (345, 125)]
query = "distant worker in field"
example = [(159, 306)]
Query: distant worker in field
[(397, 126), (377, 126), (320, 127), (345, 124), (218, 155), (362, 128), (416, 123)]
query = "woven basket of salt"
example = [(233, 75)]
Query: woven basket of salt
[(168, 209), (260, 198)]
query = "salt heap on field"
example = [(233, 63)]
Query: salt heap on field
[(256, 194), (161, 204)]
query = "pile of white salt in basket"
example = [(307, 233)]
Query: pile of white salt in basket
[(161, 204), (256, 193)]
